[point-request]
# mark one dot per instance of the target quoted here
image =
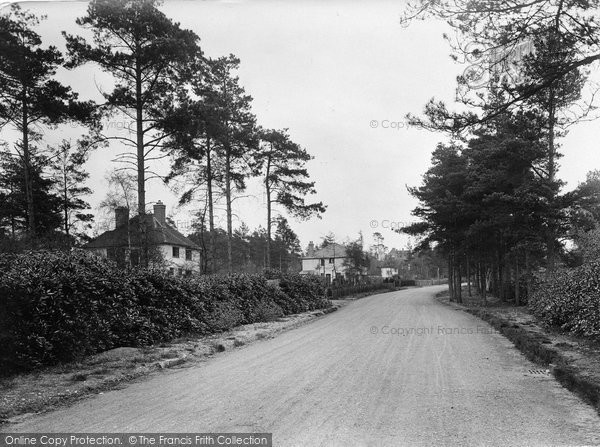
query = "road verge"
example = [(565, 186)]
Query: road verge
[(573, 361)]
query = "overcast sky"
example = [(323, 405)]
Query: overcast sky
[(341, 76)]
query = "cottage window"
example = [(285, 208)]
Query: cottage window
[(323, 261), (175, 252), (331, 260), (188, 254)]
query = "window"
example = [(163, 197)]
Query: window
[(175, 252), (331, 260), (188, 254), (172, 271), (323, 261), (180, 271)]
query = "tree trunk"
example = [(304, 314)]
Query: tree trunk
[(483, 284), (528, 273), (31, 223), (469, 277), (517, 297), (551, 174), (268, 193), (229, 212), (458, 283), (141, 166), (211, 212), (503, 272), (66, 202), (450, 278)]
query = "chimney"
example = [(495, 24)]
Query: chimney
[(121, 216), (160, 211), (311, 249)]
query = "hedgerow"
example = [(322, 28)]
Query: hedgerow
[(57, 306), (570, 299)]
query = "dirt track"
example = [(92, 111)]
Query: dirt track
[(351, 378)]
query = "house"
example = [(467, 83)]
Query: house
[(166, 245), (327, 262), (388, 272)]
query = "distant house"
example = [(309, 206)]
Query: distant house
[(166, 245), (388, 272), (327, 262)]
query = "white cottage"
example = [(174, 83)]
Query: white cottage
[(327, 262)]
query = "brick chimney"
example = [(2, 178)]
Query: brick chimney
[(160, 213), (121, 216), (311, 249)]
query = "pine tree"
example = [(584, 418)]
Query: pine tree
[(30, 98), (281, 163), (147, 54), (70, 177)]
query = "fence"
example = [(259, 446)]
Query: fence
[(430, 282), (341, 291)]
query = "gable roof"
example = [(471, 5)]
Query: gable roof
[(331, 251), (157, 234)]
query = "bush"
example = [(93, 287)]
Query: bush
[(570, 299), (300, 293), (57, 306)]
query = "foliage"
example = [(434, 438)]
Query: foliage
[(570, 299), (14, 212), (297, 291), (491, 34), (69, 175), (147, 55), (57, 306), (357, 260), (31, 99), (491, 208), (282, 165)]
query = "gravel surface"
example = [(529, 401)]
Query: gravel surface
[(391, 369)]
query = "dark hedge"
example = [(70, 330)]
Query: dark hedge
[(57, 306), (570, 299)]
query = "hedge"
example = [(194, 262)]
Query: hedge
[(57, 307), (570, 299)]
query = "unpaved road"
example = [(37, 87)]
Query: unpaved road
[(347, 380)]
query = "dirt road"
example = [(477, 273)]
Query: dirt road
[(391, 369)]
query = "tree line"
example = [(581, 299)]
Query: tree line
[(182, 105), (492, 202)]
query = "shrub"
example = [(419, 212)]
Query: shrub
[(57, 306), (570, 299)]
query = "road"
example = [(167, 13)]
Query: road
[(351, 378)]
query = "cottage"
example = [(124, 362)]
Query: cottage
[(166, 246), (328, 262), (388, 272)]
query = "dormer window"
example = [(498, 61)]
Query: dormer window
[(175, 252)]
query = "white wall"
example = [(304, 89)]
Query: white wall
[(181, 262), (388, 272), (314, 266)]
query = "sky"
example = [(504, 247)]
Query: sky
[(341, 76)]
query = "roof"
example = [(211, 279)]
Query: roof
[(157, 234), (331, 251)]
